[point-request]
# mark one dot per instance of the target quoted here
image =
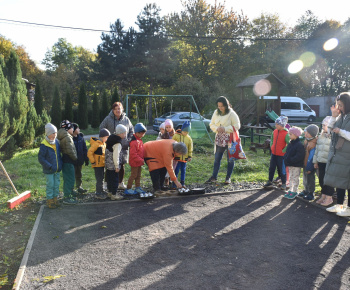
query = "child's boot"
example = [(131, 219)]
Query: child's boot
[(56, 202), (50, 203)]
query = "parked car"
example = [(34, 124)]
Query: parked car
[(179, 118)]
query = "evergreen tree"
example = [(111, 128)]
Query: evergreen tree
[(38, 100), (26, 139), (105, 106), (68, 107), (115, 96), (56, 111), (95, 122), (4, 103), (82, 108)]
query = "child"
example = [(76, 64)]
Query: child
[(96, 154), (168, 134), (50, 158), (136, 158), (114, 157), (294, 160), (69, 157), (320, 162), (278, 143), (310, 134), (182, 136), (161, 131), (80, 146)]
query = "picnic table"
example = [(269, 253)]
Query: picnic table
[(256, 131)]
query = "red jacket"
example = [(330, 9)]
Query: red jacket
[(136, 152), (280, 140)]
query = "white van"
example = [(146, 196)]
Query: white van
[(294, 108)]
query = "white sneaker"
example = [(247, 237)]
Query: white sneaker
[(335, 208), (118, 196), (121, 185), (344, 212)]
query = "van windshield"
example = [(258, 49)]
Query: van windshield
[(306, 108)]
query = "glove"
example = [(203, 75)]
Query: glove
[(86, 162)]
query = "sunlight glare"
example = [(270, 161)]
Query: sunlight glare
[(262, 88), (295, 67), (308, 58), (330, 44)]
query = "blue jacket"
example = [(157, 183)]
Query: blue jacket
[(295, 154), (81, 148), (49, 158), (310, 164)]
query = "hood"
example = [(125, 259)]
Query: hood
[(62, 133), (112, 116), (111, 141)]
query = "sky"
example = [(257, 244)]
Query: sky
[(100, 14)]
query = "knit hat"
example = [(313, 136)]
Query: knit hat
[(168, 122), (162, 126), (66, 125), (75, 126), (50, 129), (326, 120), (120, 129), (282, 121), (104, 133), (139, 127), (186, 126), (296, 131), (312, 130)]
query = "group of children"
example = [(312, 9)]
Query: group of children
[(290, 155), (66, 150)]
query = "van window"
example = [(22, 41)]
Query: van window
[(306, 108), (290, 106)]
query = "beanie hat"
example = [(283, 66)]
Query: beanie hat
[(104, 133), (186, 126), (162, 126), (120, 129), (326, 120), (168, 122), (50, 129), (312, 130), (282, 121), (296, 131), (139, 127), (66, 125), (75, 126)]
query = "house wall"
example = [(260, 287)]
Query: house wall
[(322, 103)]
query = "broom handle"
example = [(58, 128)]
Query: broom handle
[(8, 177)]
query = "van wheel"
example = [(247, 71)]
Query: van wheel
[(311, 119)]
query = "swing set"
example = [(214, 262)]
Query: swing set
[(197, 126)]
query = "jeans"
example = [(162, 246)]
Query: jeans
[(52, 185), (277, 161), (99, 175), (219, 152), (182, 166)]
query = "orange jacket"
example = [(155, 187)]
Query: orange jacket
[(96, 152), (159, 154)]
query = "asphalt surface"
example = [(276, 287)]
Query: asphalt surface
[(243, 240)]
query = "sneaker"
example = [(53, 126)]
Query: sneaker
[(100, 195), (109, 194), (303, 193), (287, 194), (310, 196), (139, 190), (129, 191), (116, 196), (122, 185), (292, 195), (70, 201), (344, 212), (335, 208), (104, 185), (277, 180), (228, 181), (75, 193), (284, 187), (268, 184), (211, 180), (81, 190)]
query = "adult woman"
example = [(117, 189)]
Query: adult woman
[(115, 117), (338, 163), (221, 123)]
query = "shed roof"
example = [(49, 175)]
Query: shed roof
[(252, 80)]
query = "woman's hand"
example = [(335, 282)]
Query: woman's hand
[(221, 129), (315, 165), (335, 111), (336, 130), (178, 184)]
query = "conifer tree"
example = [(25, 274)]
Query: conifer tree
[(26, 138), (95, 122), (68, 107), (105, 106), (56, 111), (4, 103), (82, 108), (38, 99), (115, 96)]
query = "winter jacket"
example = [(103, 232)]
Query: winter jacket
[(69, 153), (49, 157), (96, 152), (279, 141), (81, 148), (136, 152), (322, 148), (178, 137), (115, 155), (159, 154), (111, 121), (295, 154), (309, 145), (309, 164), (338, 163)]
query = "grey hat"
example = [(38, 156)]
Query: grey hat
[(104, 133), (120, 129), (50, 129), (282, 121), (312, 130)]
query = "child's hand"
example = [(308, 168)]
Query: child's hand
[(308, 172), (316, 165), (335, 111), (189, 159), (117, 170)]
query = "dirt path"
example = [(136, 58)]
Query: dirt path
[(246, 240)]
